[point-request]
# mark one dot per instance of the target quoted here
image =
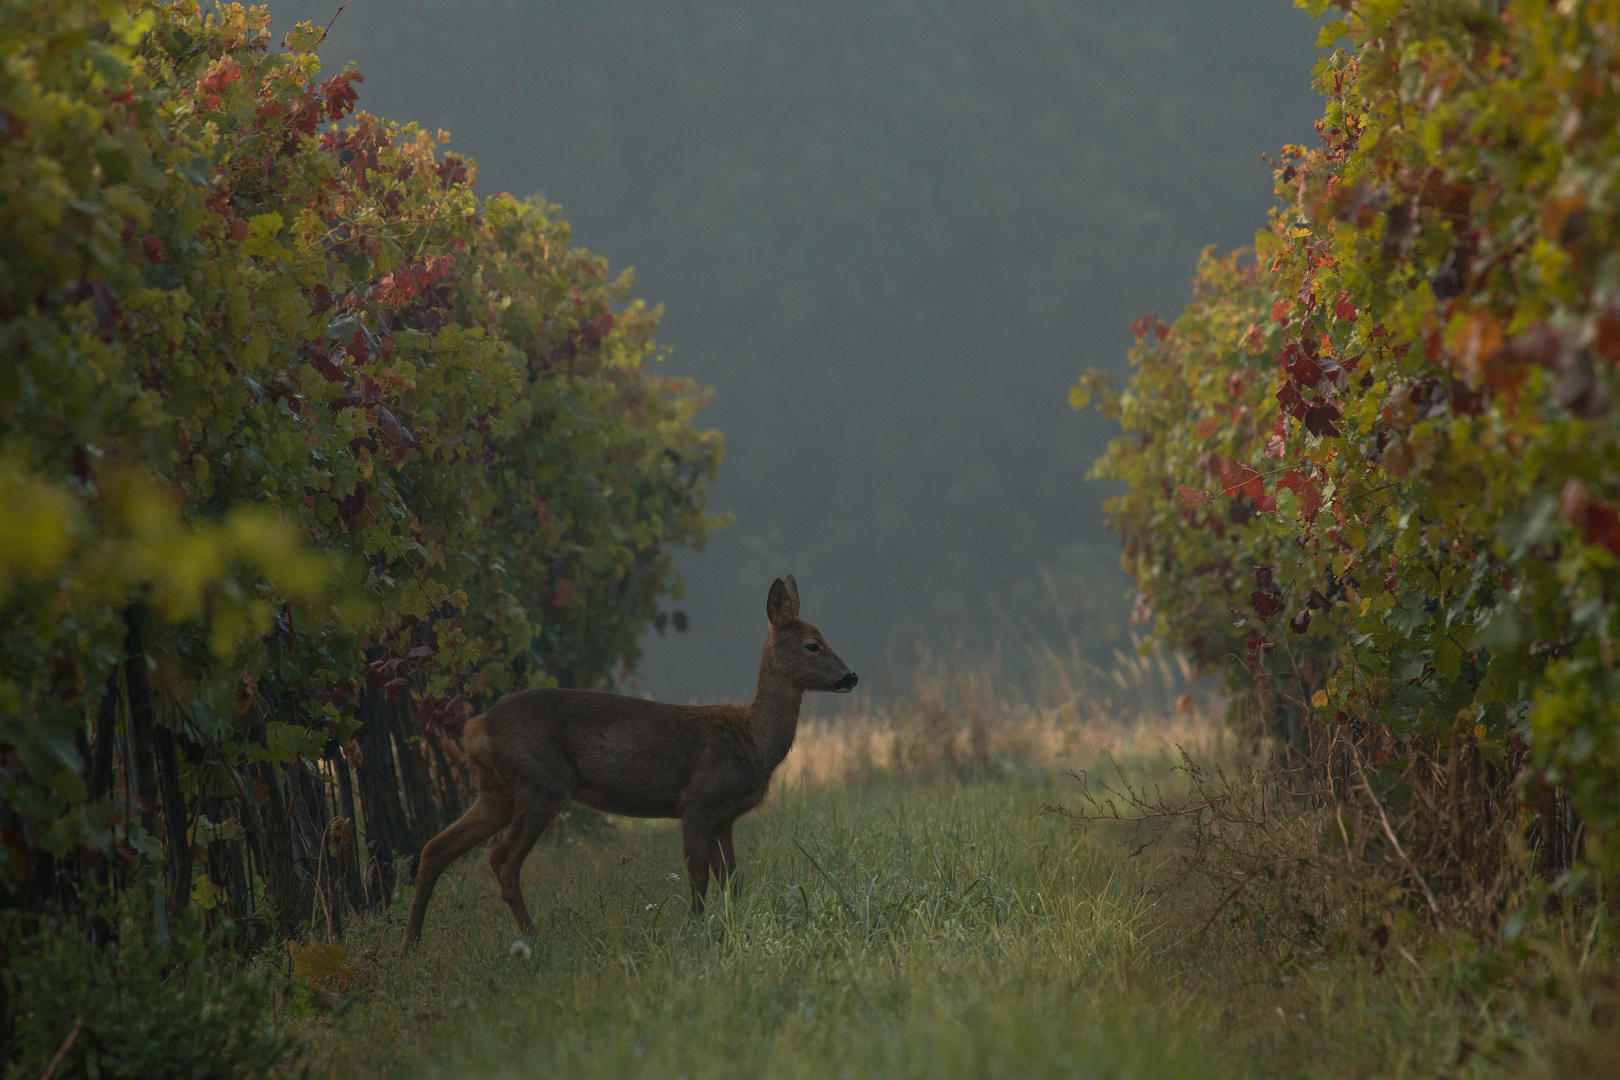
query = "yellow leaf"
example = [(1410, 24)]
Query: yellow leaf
[(205, 894), (36, 530), (319, 958), (326, 965), (1320, 699), (1330, 33), (261, 237)]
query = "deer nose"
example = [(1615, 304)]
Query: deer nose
[(848, 681)]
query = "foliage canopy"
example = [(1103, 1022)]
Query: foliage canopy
[(279, 377), (1374, 465)]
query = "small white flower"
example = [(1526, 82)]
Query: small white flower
[(649, 907), (674, 877), (521, 950)]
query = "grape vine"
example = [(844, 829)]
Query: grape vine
[(308, 448), (1373, 468)]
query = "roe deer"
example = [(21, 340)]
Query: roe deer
[(707, 765)]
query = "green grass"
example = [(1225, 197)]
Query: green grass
[(882, 930)]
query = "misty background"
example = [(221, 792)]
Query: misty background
[(890, 234)]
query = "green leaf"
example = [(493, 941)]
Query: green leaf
[(261, 237), (70, 785), (1331, 32), (1447, 658), (287, 743)]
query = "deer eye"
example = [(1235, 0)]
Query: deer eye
[(812, 646)]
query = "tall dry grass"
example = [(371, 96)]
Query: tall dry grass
[(970, 718)]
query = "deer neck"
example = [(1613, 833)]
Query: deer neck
[(776, 717)]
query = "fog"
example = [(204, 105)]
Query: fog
[(890, 235)]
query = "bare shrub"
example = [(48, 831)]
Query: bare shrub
[(1360, 832)]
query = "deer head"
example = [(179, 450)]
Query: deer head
[(795, 651)]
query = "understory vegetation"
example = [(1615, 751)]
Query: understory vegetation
[(925, 927)]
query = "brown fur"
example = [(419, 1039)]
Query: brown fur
[(707, 765)]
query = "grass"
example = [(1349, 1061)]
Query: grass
[(885, 928)]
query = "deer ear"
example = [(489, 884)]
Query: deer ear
[(779, 605), (793, 593)]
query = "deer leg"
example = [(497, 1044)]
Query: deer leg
[(728, 855), (697, 837), (526, 828), (722, 856), (487, 816), (717, 864), (502, 850)]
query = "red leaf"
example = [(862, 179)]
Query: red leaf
[(1274, 448), (1319, 420), (1608, 336), (1305, 370), (340, 93), (1253, 339), (329, 368), (393, 686), (1257, 646), (397, 287), (1304, 488), (1143, 325), (1465, 400), (220, 74), (1238, 479), (1343, 309), (1301, 622), (1291, 401), (1264, 604), (1190, 496), (1598, 521)]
